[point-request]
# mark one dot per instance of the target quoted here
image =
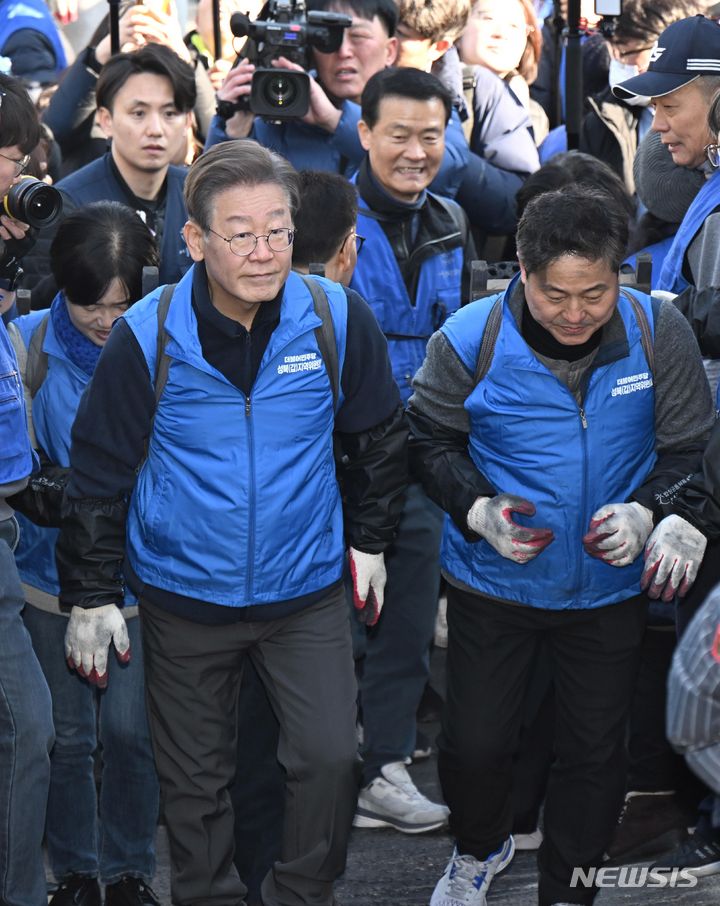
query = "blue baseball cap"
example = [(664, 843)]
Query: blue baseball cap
[(684, 51)]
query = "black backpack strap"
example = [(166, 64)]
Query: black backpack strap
[(453, 209), (162, 359), (489, 339), (325, 335), (646, 336)]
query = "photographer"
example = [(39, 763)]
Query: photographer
[(26, 733), (326, 137)]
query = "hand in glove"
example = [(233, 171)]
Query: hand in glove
[(618, 532), (491, 517), (369, 577), (88, 637), (673, 556)]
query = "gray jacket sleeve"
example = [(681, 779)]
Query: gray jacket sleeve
[(684, 412), (439, 428), (693, 706)]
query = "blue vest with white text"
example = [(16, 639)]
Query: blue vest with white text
[(529, 437), (704, 203), (407, 324), (237, 502)]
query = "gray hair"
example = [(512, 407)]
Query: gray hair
[(236, 163)]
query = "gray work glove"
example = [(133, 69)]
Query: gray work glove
[(88, 637), (673, 556), (618, 532), (491, 517), (369, 578)]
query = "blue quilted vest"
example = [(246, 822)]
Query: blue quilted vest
[(407, 324), (529, 437), (237, 502), (704, 203)]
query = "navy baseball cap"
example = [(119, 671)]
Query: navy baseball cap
[(684, 51)]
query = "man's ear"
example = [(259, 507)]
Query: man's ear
[(364, 134), (195, 240), (392, 48), (103, 118), (438, 49), (523, 272)]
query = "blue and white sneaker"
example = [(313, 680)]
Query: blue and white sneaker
[(467, 880)]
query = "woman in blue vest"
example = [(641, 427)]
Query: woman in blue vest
[(97, 259)]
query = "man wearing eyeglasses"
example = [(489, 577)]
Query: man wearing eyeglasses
[(26, 731), (234, 535), (682, 80)]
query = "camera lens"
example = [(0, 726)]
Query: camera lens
[(280, 90), (34, 202)]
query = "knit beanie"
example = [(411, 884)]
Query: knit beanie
[(665, 189)]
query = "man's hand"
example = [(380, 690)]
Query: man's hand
[(673, 556), (322, 112), (236, 87), (618, 532), (88, 637), (491, 517), (369, 577)]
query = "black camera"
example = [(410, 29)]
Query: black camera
[(34, 202), (289, 31)]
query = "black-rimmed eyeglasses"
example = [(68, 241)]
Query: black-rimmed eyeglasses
[(244, 244), (712, 152)]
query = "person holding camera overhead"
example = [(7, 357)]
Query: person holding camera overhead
[(26, 730), (326, 137)]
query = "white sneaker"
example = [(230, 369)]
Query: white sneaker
[(466, 880), (393, 800)]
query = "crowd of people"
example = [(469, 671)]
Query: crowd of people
[(259, 416)]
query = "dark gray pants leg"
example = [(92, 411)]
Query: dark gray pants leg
[(307, 669)]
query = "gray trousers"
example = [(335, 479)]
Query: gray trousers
[(193, 675)]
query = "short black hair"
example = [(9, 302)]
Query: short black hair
[(575, 168), (96, 243), (327, 214), (19, 121), (385, 10), (577, 220), (403, 82), (153, 58)]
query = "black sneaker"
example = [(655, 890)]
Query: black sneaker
[(77, 890), (649, 823), (130, 892), (696, 855)]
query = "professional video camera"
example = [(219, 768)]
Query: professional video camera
[(289, 31)]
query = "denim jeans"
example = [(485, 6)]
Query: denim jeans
[(121, 842), (26, 736)]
